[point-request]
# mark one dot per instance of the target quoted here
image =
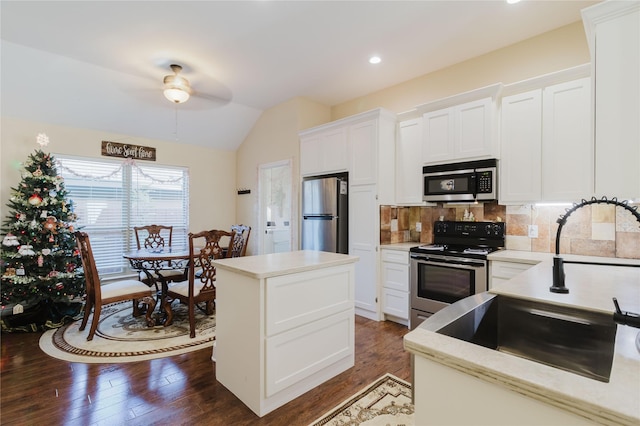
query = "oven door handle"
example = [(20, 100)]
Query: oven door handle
[(458, 263)]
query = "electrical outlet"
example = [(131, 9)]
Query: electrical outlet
[(418, 226), (533, 231)]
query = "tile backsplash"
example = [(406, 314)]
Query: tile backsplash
[(596, 230)]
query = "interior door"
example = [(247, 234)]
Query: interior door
[(276, 218)]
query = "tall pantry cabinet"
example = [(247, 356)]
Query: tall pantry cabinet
[(369, 143), (613, 33)]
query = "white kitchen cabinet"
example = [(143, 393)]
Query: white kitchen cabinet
[(409, 162), (363, 242), (286, 324), (437, 140), (463, 129), (546, 140), (506, 264), (395, 285), (501, 272), (567, 143), (434, 405), (613, 33), (370, 140), (521, 140), (324, 152), (363, 149)]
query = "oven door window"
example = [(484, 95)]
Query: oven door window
[(446, 284), (463, 183)]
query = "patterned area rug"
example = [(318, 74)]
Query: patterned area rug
[(385, 402), (122, 338)]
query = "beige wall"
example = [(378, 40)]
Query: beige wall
[(273, 138), (563, 48), (211, 172)]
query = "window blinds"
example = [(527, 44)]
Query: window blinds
[(111, 197)]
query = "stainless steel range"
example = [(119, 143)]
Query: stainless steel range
[(453, 267)]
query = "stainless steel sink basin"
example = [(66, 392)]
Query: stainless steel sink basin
[(571, 339)]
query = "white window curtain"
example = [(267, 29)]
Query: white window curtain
[(111, 197)]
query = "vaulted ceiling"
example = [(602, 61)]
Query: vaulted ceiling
[(100, 64)]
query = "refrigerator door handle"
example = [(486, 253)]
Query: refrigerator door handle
[(319, 217)]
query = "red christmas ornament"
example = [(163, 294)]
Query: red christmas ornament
[(35, 200), (59, 286)]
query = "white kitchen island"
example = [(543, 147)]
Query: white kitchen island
[(457, 382), (284, 324)]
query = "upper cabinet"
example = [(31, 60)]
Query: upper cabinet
[(520, 177), (567, 142), (547, 149), (409, 161), (613, 32), (363, 147), (461, 127), (323, 151)]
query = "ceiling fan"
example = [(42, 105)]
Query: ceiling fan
[(177, 89)]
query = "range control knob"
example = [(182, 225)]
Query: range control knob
[(441, 227)]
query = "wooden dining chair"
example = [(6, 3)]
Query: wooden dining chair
[(199, 289), (157, 237), (102, 294), (241, 240)]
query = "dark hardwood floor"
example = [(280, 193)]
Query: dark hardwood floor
[(37, 389)]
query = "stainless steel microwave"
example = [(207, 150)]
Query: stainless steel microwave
[(467, 181)]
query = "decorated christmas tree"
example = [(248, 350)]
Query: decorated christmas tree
[(40, 260)]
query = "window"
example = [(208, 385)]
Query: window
[(111, 197)]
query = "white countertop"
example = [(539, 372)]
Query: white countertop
[(276, 264), (533, 257), (616, 402), (399, 246)]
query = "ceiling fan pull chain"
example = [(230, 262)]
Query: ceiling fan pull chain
[(176, 132)]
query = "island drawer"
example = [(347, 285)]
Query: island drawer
[(297, 299)]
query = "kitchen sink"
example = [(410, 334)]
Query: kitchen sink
[(568, 338)]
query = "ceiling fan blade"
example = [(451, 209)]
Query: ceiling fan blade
[(217, 100)]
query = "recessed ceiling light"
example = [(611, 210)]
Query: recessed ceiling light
[(513, 1), (375, 60)]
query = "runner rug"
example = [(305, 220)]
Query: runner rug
[(122, 338), (387, 401)]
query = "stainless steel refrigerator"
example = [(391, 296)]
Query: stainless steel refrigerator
[(325, 213)]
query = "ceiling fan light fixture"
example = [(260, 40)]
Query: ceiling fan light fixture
[(176, 94), (176, 88)]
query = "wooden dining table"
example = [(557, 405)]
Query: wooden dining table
[(153, 262)]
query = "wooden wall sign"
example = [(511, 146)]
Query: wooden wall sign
[(121, 150)]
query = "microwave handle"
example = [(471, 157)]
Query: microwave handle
[(474, 185), (450, 172)]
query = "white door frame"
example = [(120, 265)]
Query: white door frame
[(262, 220)]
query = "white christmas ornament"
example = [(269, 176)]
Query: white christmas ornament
[(10, 240), (42, 139), (26, 250)]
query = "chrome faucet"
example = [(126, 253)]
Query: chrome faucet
[(558, 263)]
